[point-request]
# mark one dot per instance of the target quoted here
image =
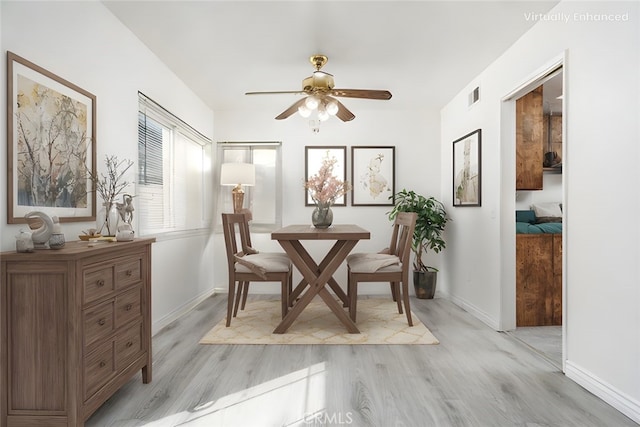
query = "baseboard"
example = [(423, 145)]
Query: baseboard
[(622, 402), (158, 325), (472, 309)]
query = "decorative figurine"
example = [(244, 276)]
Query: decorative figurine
[(41, 235), (125, 209), (125, 233)]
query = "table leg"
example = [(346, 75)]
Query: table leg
[(317, 279), (333, 284)]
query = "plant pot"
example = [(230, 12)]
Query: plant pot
[(424, 283)]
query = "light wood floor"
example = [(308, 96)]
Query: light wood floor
[(474, 377), (546, 340)]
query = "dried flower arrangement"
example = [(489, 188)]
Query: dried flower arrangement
[(324, 187), (109, 186)]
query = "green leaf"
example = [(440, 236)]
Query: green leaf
[(430, 223)]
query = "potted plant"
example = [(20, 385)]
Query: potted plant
[(430, 223)]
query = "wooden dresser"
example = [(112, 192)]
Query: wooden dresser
[(75, 325)]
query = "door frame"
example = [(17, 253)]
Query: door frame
[(508, 191)]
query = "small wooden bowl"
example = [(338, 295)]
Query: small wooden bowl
[(86, 237)]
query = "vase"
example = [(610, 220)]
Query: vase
[(56, 241), (24, 243), (107, 220), (322, 215)]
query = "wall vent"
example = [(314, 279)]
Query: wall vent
[(474, 96)]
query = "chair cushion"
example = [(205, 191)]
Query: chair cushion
[(263, 263), (370, 262)]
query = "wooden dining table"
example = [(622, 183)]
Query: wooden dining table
[(317, 277)]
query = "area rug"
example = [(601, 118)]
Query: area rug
[(378, 321)]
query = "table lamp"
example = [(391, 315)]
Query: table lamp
[(237, 174)]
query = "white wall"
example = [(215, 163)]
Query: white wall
[(601, 251), (415, 134), (84, 43)]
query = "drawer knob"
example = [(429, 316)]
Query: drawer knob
[(128, 307), (101, 322), (128, 344), (100, 283), (103, 363), (129, 273)]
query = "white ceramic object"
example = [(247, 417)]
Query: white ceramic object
[(41, 236)]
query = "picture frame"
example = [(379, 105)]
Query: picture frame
[(467, 170), (313, 156), (373, 175), (51, 144)]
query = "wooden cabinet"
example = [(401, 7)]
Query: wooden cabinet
[(75, 325), (530, 138), (538, 279)]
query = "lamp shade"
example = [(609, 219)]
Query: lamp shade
[(238, 173)]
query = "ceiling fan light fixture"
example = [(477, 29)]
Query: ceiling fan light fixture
[(323, 115), (304, 111), (332, 107), (319, 91), (311, 102)]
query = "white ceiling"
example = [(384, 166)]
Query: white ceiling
[(424, 52)]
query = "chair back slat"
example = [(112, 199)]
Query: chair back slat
[(245, 234), (234, 226), (403, 227), (393, 245)]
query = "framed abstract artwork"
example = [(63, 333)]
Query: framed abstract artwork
[(315, 157), (372, 176), (51, 138), (467, 173)]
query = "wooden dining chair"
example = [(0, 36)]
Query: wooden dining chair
[(246, 265), (247, 248), (390, 265)]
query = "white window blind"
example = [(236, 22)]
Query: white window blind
[(174, 173)]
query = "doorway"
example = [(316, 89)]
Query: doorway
[(533, 287), (539, 256)]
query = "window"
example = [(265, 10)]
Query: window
[(264, 199), (174, 172)]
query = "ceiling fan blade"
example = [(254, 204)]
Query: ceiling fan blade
[(343, 112), (296, 92), (291, 110), (361, 93)]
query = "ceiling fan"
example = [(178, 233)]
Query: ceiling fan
[(320, 91)]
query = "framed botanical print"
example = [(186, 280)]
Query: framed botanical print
[(372, 175), (467, 170), (51, 137), (323, 159)]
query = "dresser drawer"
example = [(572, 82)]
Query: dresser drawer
[(128, 345), (128, 273), (99, 366), (97, 283), (128, 307), (98, 322)]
